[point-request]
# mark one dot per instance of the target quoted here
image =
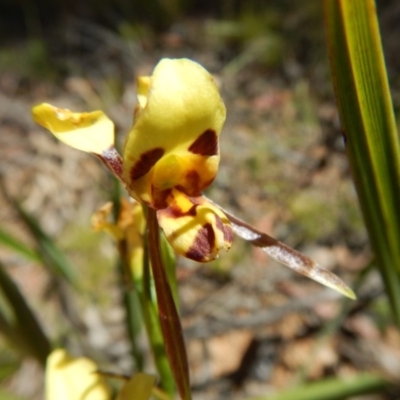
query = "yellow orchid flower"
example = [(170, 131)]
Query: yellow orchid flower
[(69, 378), (170, 156)]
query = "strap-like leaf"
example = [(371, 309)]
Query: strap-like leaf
[(369, 128)]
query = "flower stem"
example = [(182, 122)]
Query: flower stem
[(169, 318)]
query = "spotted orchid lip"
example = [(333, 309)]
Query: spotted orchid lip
[(195, 227)]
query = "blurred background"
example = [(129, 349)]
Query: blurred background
[(252, 326)]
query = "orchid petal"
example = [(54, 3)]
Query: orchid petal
[(69, 378), (286, 255), (194, 227), (129, 228), (90, 132), (174, 139)]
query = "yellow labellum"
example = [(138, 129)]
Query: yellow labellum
[(69, 378), (91, 132), (194, 227)]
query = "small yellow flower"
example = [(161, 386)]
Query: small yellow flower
[(69, 378), (129, 228), (170, 155)]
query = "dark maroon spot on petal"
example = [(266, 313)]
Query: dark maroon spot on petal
[(174, 211), (206, 144), (203, 244), (228, 234), (191, 184), (159, 198), (226, 229), (146, 162)]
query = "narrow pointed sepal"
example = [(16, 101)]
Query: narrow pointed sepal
[(288, 256), (91, 132)]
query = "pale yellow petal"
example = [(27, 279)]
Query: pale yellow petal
[(69, 378), (174, 139), (100, 222), (90, 132)]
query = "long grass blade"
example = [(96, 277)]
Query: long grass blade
[(368, 125), (27, 327), (332, 389), (50, 254), (10, 241)]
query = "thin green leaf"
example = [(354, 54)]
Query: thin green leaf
[(368, 125), (51, 255), (27, 330), (332, 389), (9, 364), (131, 304), (8, 396), (18, 246)]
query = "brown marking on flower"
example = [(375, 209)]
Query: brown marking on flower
[(203, 244), (112, 160), (191, 186), (228, 235), (160, 198), (137, 110), (174, 211), (227, 230), (146, 162), (206, 144)]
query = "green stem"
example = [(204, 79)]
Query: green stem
[(153, 327), (131, 304), (168, 314)]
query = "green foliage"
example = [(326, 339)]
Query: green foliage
[(21, 328), (368, 124), (332, 389), (31, 60)]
